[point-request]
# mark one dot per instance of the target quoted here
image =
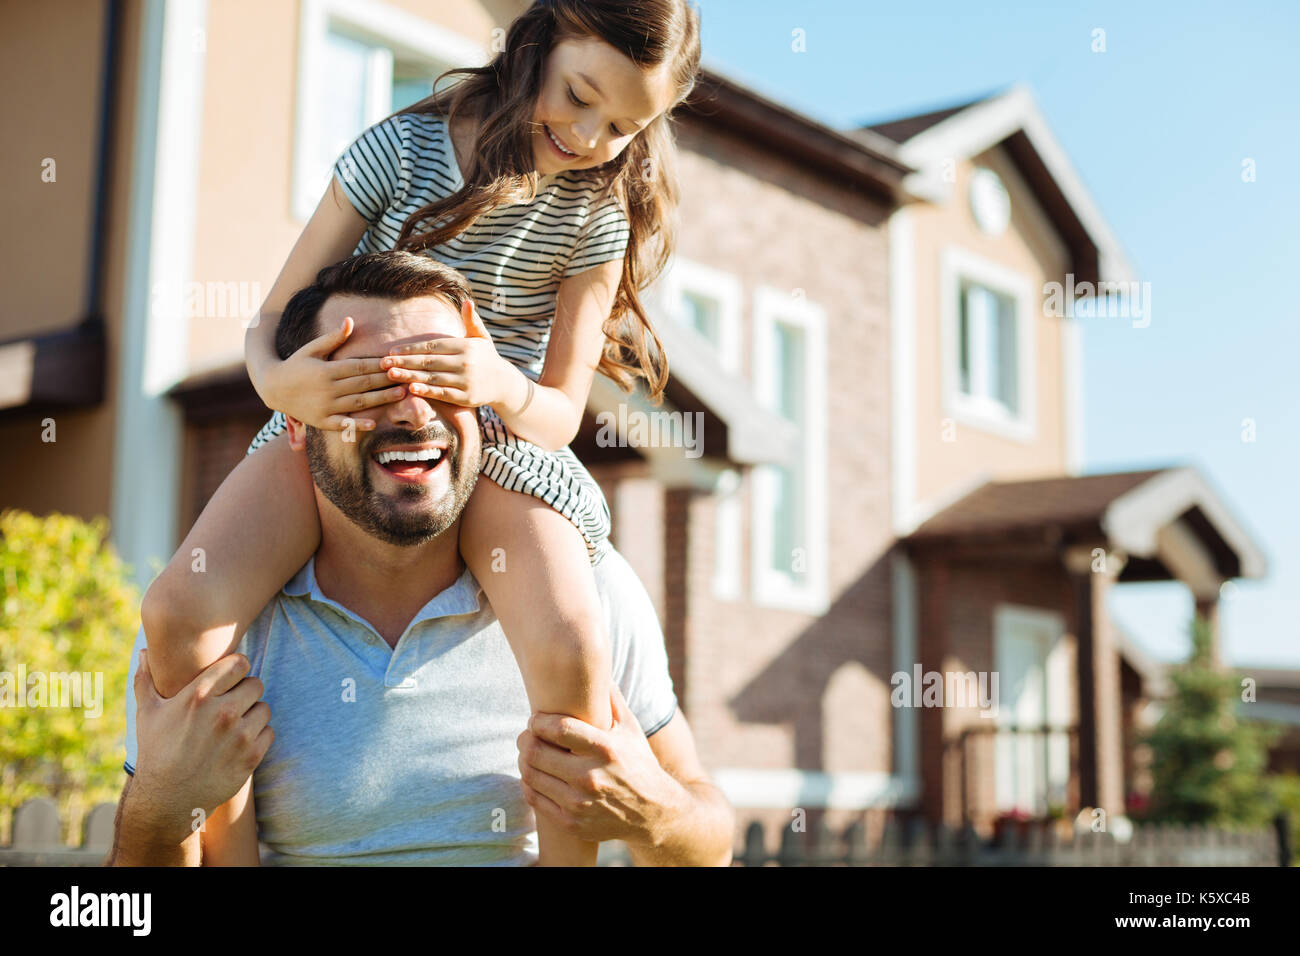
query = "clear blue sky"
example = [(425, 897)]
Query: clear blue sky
[(1157, 127)]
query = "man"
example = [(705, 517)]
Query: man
[(396, 697)]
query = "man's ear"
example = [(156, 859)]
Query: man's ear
[(297, 433)]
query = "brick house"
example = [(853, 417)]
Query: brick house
[(887, 481)]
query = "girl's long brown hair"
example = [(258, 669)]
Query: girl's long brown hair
[(503, 94)]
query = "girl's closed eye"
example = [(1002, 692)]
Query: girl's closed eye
[(573, 97)]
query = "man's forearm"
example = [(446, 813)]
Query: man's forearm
[(143, 837), (697, 832)]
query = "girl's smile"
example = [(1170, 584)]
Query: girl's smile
[(592, 102)]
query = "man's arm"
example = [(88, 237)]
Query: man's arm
[(616, 785), (196, 752), (143, 837), (699, 832)]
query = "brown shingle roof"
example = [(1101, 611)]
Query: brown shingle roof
[(903, 128), (998, 506)]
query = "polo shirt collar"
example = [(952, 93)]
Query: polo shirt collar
[(461, 598)]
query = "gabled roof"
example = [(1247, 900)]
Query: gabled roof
[(736, 429), (999, 506), (903, 128), (1168, 522), (1012, 120), (854, 159), (1154, 673)]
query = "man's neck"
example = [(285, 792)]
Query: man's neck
[(384, 584)]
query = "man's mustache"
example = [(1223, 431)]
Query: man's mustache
[(378, 441)]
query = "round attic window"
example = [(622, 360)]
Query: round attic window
[(990, 203)]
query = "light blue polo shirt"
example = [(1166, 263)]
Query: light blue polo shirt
[(407, 755)]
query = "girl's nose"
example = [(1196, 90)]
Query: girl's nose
[(584, 136)]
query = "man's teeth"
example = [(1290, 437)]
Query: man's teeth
[(559, 145), (427, 454)]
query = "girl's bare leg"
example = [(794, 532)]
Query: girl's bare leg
[(544, 594), (260, 527)]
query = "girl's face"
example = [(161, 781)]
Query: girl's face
[(593, 101)]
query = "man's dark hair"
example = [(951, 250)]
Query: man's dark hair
[(372, 275)]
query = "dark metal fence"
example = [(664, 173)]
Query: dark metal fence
[(36, 842), (919, 844)]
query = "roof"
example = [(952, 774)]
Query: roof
[(1168, 522), (1010, 119), (902, 129), (1154, 673), (727, 426), (1008, 505), (853, 159)]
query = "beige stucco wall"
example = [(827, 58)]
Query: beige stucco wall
[(50, 63), (1029, 246), (245, 224), (60, 45)]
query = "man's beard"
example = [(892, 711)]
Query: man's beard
[(348, 485)]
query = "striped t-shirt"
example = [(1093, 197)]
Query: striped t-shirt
[(514, 257)]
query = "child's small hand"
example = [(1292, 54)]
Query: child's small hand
[(461, 371), (323, 392)]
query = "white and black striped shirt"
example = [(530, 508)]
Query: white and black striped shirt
[(514, 257)]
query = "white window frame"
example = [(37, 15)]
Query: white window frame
[(685, 275), (956, 265), (769, 587), (681, 276), (401, 32), (728, 530)]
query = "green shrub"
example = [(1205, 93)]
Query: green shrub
[(70, 607), (1286, 787), (1206, 762)]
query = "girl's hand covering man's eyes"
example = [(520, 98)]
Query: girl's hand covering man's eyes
[(461, 371), (324, 392)]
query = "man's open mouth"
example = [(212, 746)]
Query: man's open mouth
[(410, 464)]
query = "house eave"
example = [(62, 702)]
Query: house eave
[(1013, 119), (870, 164), (56, 370)]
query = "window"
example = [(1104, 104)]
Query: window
[(987, 315), (708, 301), (987, 340), (726, 537), (358, 63), (789, 547)]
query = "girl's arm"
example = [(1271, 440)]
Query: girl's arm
[(196, 611), (469, 372), (302, 385), (229, 836)]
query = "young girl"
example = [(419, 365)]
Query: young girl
[(546, 178)]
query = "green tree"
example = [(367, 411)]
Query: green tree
[(70, 607), (1207, 765)]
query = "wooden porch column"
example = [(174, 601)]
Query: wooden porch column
[(676, 578), (1101, 739), (1207, 608)]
